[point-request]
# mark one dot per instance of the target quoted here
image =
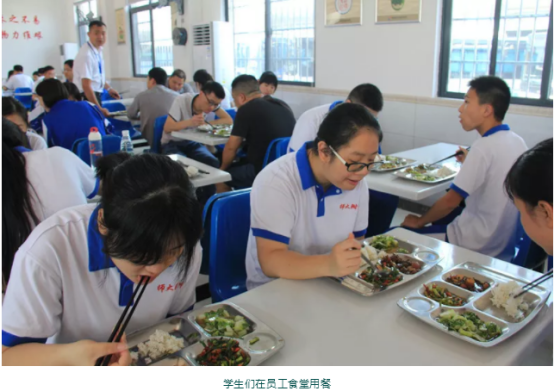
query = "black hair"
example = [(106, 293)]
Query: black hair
[(40, 71), (368, 95), (246, 84), (51, 91), (35, 73), (10, 73), (494, 91), (11, 106), (73, 91), (150, 208), (159, 75), (342, 124), (47, 68), (202, 76), (18, 216), (530, 178), (98, 23), (69, 63), (18, 68), (269, 77), (180, 74), (215, 87)]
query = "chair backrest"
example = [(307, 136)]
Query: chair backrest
[(114, 106), (21, 90), (105, 95), (232, 113), (230, 225), (110, 144), (26, 100), (118, 126), (158, 132), (276, 149)]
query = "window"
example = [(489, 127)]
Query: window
[(151, 37), (276, 35), (511, 39), (85, 12)]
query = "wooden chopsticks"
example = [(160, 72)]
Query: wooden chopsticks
[(122, 323), (526, 288)]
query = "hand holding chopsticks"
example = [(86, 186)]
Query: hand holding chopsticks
[(526, 288), (123, 321)]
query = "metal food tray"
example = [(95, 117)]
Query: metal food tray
[(118, 113), (429, 310), (409, 162), (423, 255), (404, 175), (185, 326)]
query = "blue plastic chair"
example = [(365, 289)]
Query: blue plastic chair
[(156, 146), (105, 95), (230, 225), (26, 100), (114, 106), (382, 207), (110, 144), (276, 149)]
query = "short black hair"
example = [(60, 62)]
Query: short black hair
[(246, 84), (47, 68), (98, 23), (51, 91), (180, 74), (159, 75), (215, 87), (202, 76), (73, 91), (343, 123), (530, 178), (368, 95), (10, 106), (40, 71), (494, 91), (35, 73), (269, 77), (150, 208), (69, 63), (10, 73), (18, 68)]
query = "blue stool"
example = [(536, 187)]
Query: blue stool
[(276, 149)]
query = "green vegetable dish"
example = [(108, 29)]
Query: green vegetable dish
[(385, 243), (220, 323), (223, 353), (470, 325)]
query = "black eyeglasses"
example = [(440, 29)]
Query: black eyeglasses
[(212, 104), (354, 167)]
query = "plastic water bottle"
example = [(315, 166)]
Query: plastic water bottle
[(95, 146), (126, 143)]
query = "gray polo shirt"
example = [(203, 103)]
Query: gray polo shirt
[(151, 104)]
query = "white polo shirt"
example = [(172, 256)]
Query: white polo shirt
[(20, 81), (307, 126), (181, 110), (36, 141), (289, 206), (64, 289), (37, 83), (488, 222), (89, 64), (59, 180)]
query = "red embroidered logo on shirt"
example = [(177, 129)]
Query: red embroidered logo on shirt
[(349, 206), (163, 287)]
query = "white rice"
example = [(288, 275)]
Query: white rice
[(444, 172), (191, 171), (160, 344), (373, 254), (503, 297)]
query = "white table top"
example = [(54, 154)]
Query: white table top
[(415, 191), (199, 137), (126, 101), (215, 175), (374, 330), (12, 93)]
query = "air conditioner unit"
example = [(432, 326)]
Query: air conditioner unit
[(213, 50)]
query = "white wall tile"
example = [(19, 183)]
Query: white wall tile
[(393, 143), (423, 142), (398, 118), (442, 124), (531, 129)]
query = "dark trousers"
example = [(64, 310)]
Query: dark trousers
[(242, 175), (98, 97)]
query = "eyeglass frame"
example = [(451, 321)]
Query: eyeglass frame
[(216, 106), (368, 166)]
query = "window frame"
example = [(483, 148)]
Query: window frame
[(446, 35), (268, 34), (84, 23)]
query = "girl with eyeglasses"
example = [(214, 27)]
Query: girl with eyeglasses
[(309, 207)]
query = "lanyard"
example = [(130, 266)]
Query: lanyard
[(97, 56)]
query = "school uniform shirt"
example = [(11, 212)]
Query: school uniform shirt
[(20, 81), (41, 78), (35, 141), (59, 180), (181, 110), (290, 207), (307, 126), (89, 64), (63, 288), (186, 89), (489, 220), (68, 121)]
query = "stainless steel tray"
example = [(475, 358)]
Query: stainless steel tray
[(427, 258), (404, 164), (427, 310), (406, 175), (186, 327)]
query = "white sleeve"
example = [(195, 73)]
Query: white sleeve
[(32, 307), (273, 211), (305, 130), (175, 110), (472, 174), (186, 296), (9, 84), (37, 111), (84, 68), (89, 182), (362, 219), (36, 142)]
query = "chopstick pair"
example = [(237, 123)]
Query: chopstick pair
[(526, 288), (199, 170), (122, 323), (459, 153)]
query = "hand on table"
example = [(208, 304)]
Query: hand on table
[(412, 221), (462, 158), (114, 94), (198, 120), (105, 112), (345, 257)]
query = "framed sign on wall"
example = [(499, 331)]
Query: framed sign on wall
[(394, 11), (343, 12), (120, 25)]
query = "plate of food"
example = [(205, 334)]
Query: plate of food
[(476, 304), (391, 163), (428, 174)]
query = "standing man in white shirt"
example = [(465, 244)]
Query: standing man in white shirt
[(18, 80), (89, 72)]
